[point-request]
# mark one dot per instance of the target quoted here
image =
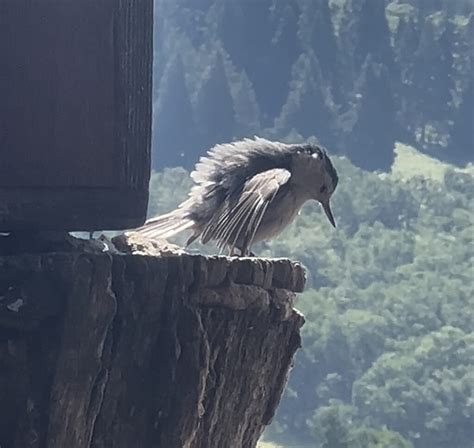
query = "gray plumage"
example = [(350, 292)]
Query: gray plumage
[(248, 191)]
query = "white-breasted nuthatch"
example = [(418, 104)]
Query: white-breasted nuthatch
[(248, 191)]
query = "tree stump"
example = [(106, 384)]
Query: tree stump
[(102, 349)]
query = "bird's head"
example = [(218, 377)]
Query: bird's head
[(316, 174)]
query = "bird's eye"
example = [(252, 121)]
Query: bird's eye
[(323, 189)]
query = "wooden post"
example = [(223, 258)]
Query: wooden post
[(75, 113)]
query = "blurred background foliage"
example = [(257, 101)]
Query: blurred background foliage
[(357, 74), (388, 345)]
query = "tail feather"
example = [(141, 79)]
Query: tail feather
[(165, 226)]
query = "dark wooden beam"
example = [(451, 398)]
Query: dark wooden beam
[(75, 113)]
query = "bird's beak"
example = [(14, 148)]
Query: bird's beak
[(327, 210)]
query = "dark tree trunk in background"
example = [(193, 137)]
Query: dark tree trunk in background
[(101, 350)]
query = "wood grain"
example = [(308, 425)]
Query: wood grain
[(102, 350), (75, 114)]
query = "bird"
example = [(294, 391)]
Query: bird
[(248, 191)]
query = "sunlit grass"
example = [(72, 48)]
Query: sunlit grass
[(409, 162), (267, 445)]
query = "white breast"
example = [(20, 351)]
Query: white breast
[(278, 216)]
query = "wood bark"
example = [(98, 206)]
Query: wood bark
[(113, 350)]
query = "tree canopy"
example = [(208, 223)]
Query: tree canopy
[(387, 358), (357, 74)]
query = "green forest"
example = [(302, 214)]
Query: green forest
[(388, 345), (358, 75)]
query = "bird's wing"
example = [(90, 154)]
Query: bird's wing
[(238, 218)]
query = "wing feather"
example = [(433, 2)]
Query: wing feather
[(240, 215)]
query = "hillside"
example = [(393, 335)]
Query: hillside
[(387, 355), (358, 75)]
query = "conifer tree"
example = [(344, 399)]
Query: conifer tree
[(262, 38), (215, 113), (308, 107), (174, 129), (432, 74), (272, 82), (371, 142), (407, 39), (246, 32), (247, 112), (316, 27), (365, 31), (462, 135)]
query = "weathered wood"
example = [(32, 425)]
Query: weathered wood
[(75, 113), (101, 350)]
